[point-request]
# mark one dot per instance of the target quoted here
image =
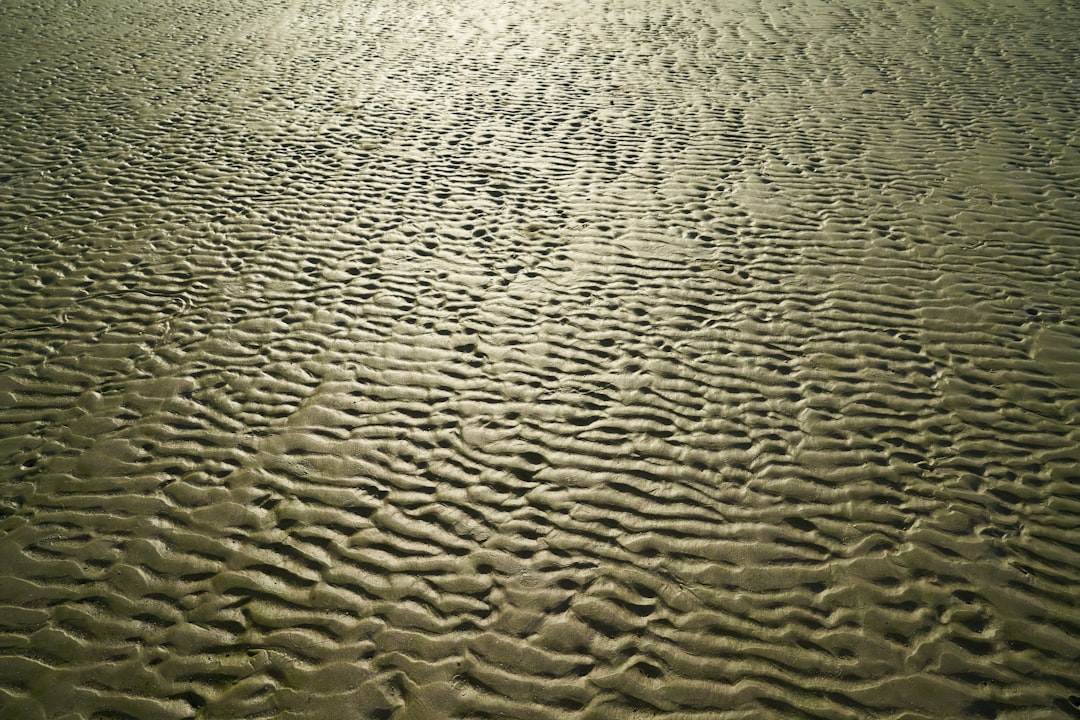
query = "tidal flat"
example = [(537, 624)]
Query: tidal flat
[(624, 359)]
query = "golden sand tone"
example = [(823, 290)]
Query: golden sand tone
[(539, 360)]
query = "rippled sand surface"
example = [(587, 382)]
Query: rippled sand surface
[(503, 359)]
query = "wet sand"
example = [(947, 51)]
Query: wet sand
[(426, 360)]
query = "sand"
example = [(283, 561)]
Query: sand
[(616, 359)]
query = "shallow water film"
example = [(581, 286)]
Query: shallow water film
[(539, 360)]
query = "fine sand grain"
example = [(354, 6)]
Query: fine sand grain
[(539, 360)]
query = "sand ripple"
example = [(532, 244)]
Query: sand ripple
[(539, 360)]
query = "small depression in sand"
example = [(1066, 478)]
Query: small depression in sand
[(539, 360)]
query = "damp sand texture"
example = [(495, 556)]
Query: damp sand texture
[(539, 360)]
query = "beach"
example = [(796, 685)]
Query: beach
[(625, 359)]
